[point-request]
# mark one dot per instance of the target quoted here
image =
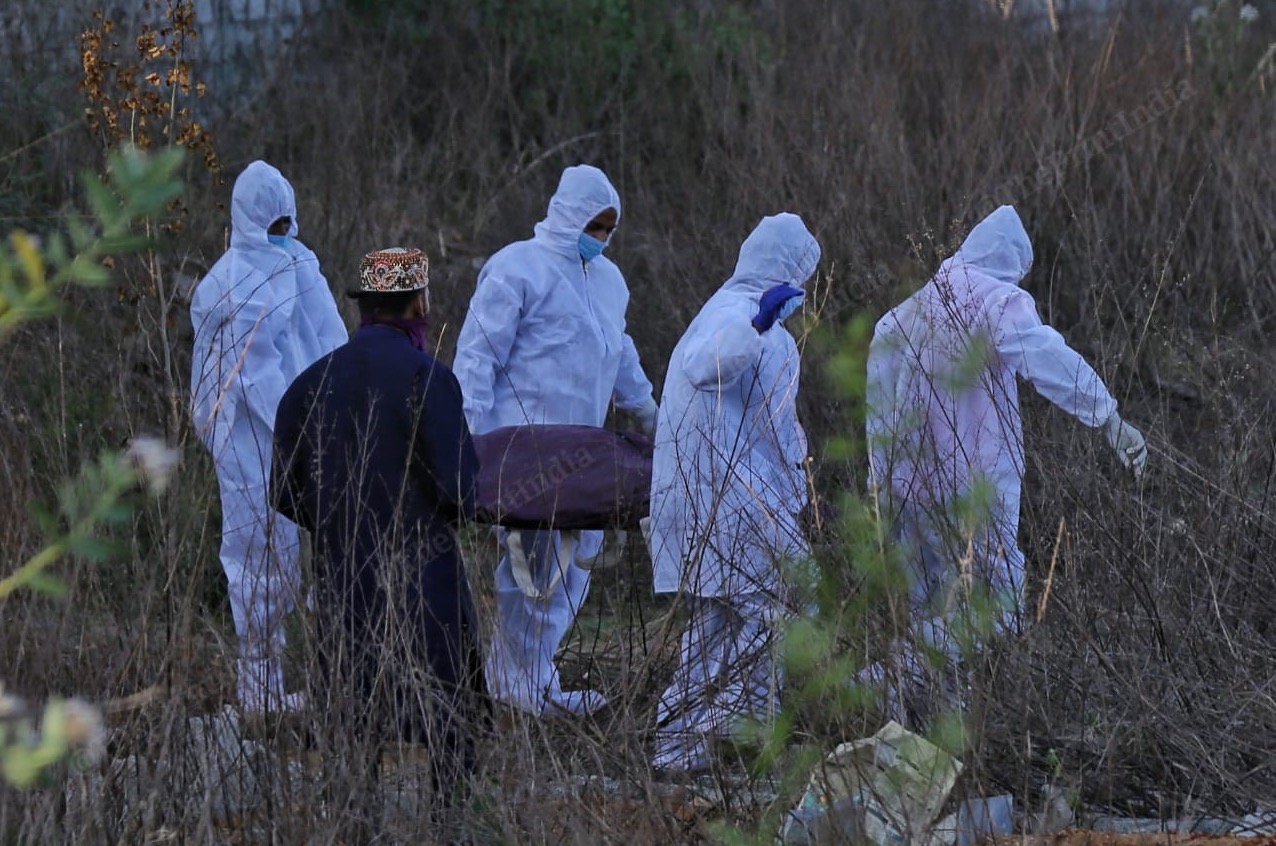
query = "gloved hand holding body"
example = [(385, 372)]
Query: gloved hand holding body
[(777, 304), (647, 417), (1130, 446)]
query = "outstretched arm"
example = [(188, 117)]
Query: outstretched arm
[(1041, 356)]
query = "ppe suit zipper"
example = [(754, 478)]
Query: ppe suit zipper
[(589, 301)]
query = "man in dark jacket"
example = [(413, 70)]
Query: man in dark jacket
[(373, 457)]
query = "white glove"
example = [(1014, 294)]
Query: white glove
[(647, 417), (1131, 448)]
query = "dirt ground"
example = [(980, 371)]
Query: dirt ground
[(1081, 837)]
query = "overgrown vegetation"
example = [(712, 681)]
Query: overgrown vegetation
[(33, 276), (1136, 149)]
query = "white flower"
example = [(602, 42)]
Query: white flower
[(10, 706), (84, 730), (1249, 14), (1199, 14), (154, 461)]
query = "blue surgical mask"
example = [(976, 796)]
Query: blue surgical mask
[(590, 247), (281, 241)]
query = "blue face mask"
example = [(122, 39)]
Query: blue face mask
[(281, 241), (590, 247)]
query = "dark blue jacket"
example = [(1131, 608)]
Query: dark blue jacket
[(373, 457)]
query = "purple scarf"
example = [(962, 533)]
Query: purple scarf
[(413, 327)]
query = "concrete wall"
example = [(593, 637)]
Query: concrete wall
[(241, 38), (238, 39)]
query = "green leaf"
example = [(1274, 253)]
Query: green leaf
[(91, 547), (125, 243), (69, 502), (88, 272), (82, 237), (105, 205), (56, 250), (949, 732), (46, 520), (146, 182), (47, 584), (118, 512)]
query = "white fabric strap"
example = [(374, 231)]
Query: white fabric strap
[(523, 574)]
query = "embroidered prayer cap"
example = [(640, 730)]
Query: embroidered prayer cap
[(392, 270)]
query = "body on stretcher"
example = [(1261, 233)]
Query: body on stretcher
[(574, 479)]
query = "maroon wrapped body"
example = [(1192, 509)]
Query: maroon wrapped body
[(563, 477)]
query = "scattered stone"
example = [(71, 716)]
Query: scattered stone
[(943, 833), (224, 765), (1148, 825), (211, 770), (842, 821), (593, 784), (122, 792), (1056, 812), (1259, 824), (980, 817)]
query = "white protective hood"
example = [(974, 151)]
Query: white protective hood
[(261, 196), (583, 193), (727, 478), (943, 401), (545, 340), (262, 315), (780, 250), (998, 247)]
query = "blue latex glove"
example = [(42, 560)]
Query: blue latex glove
[(777, 304)]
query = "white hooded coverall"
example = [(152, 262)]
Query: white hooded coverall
[(261, 315), (943, 423), (728, 483), (544, 341)]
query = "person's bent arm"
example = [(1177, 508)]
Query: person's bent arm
[(484, 345), (633, 388), (322, 307), (719, 356), (443, 440), (287, 487)]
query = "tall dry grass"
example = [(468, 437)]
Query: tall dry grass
[(1139, 159)]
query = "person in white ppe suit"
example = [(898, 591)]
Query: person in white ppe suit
[(261, 315), (544, 341), (944, 430), (728, 484)]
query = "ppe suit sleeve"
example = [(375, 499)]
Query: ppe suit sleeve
[(1041, 356), (443, 441), (778, 411), (484, 345), (633, 388), (259, 364), (719, 356), (205, 367), (882, 427), (793, 436), (322, 308)]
